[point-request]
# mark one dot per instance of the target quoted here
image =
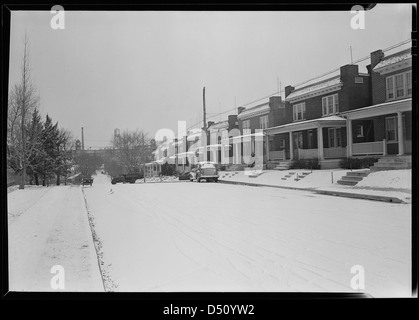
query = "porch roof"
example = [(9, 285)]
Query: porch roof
[(379, 109), (330, 121)]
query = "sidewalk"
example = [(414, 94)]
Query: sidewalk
[(47, 227), (390, 186)]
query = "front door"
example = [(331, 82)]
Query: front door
[(297, 143), (392, 135)]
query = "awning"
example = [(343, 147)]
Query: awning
[(256, 134)]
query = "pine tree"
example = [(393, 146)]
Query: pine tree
[(35, 150)]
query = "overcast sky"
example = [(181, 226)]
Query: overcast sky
[(147, 69)]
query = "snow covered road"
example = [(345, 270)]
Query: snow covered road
[(47, 227), (184, 236)]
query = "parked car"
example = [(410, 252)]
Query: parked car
[(185, 175), (86, 181), (204, 170), (128, 178)]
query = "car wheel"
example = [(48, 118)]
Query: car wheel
[(198, 180), (215, 180)]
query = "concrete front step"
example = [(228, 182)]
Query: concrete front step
[(352, 178), (347, 182), (357, 173)]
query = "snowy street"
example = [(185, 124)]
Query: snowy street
[(188, 236), (47, 227)]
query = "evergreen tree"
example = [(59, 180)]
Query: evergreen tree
[(35, 150)]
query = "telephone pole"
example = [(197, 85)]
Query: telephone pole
[(205, 116)]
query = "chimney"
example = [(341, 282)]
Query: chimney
[(376, 57), (232, 121), (240, 109), (348, 72), (288, 90), (275, 102)]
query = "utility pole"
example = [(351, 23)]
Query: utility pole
[(205, 116), (350, 49)]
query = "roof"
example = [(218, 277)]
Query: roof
[(254, 111), (219, 125), (315, 89), (394, 58), (306, 124)]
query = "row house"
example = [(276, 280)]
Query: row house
[(252, 123), (384, 127), (314, 126)]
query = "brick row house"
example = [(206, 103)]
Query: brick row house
[(352, 114), (348, 114)]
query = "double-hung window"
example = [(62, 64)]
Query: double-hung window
[(330, 104), (299, 111), (399, 86), (263, 122)]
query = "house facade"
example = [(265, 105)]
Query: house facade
[(314, 127), (384, 127), (252, 124)]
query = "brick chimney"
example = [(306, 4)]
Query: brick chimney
[(275, 102), (240, 110), (288, 90), (348, 73), (376, 57)]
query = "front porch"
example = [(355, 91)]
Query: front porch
[(384, 129), (323, 138)]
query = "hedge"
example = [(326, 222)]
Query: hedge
[(357, 163)]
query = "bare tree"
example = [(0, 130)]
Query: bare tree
[(22, 101), (132, 149)]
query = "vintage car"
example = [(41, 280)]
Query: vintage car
[(204, 170), (184, 175), (86, 181)]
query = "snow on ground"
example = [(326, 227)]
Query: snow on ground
[(395, 179), (391, 183), (189, 236), (315, 178), (48, 226)]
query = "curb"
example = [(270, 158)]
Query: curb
[(325, 192)]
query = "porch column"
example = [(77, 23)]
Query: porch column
[(320, 142), (291, 147), (349, 137), (400, 132), (267, 148)]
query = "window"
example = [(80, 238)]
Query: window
[(281, 143), (330, 104), (399, 85), (409, 83), (391, 129), (299, 111), (335, 139), (359, 130), (213, 138), (263, 122), (246, 124), (359, 80)]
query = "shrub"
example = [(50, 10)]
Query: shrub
[(312, 163), (357, 163), (167, 169)]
